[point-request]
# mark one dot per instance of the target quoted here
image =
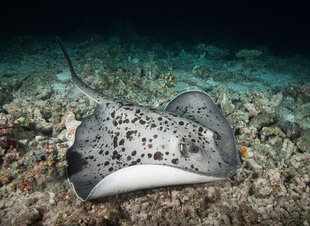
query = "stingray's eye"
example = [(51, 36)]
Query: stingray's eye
[(194, 149), (188, 149), (184, 150)]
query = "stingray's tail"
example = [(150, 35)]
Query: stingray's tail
[(84, 88)]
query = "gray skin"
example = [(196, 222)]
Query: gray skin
[(191, 134)]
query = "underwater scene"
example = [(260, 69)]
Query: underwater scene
[(254, 158)]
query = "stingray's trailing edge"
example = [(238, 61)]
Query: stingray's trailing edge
[(122, 147)]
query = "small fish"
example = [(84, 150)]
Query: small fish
[(122, 147)]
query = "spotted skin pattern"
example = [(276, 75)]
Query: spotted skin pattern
[(191, 134)]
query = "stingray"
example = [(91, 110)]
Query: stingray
[(123, 147)]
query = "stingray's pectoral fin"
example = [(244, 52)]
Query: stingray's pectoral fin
[(199, 107), (83, 171), (77, 178)]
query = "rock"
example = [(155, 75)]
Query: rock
[(64, 76), (263, 119), (135, 60), (303, 142), (271, 131), (226, 105), (238, 119)]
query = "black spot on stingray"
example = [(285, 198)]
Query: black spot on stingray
[(107, 163), (106, 153), (160, 118), (110, 169), (138, 111), (113, 114), (181, 123), (138, 160), (126, 120), (193, 140), (128, 158), (129, 134), (121, 142), (115, 139), (150, 140), (134, 120), (142, 155), (150, 146), (114, 123), (200, 129), (133, 163), (143, 139), (153, 125), (175, 161), (116, 155), (155, 136), (158, 156), (123, 149), (142, 122), (100, 152), (133, 153), (149, 155)]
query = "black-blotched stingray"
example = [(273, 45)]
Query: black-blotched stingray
[(122, 147)]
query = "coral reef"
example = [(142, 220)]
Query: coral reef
[(41, 111)]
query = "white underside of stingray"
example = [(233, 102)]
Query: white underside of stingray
[(123, 147), (142, 177)]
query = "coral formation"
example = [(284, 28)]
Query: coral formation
[(170, 79), (200, 71)]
